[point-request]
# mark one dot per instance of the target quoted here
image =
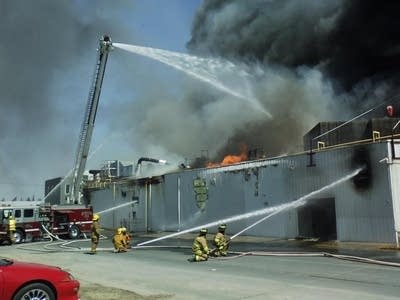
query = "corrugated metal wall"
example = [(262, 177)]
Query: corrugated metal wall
[(199, 196)]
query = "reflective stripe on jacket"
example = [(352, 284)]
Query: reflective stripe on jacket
[(12, 224)]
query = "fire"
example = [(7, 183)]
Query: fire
[(231, 159)]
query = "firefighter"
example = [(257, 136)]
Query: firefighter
[(128, 237), (95, 233), (119, 241), (200, 247), (11, 228), (221, 241)]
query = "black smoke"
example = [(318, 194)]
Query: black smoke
[(351, 49), (348, 40)]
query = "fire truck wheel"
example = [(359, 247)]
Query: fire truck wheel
[(19, 236), (74, 232)]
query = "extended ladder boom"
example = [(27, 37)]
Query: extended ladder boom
[(90, 116)]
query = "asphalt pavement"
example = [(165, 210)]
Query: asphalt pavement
[(257, 268)]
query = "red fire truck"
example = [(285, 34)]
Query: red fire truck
[(36, 222)]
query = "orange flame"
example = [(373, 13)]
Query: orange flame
[(231, 159)]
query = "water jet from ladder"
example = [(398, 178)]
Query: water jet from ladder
[(203, 69)]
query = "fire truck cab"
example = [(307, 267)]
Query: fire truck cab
[(27, 227)]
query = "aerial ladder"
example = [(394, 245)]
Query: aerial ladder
[(90, 116)]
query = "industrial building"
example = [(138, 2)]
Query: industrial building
[(365, 208), (346, 179)]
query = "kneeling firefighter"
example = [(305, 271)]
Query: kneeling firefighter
[(221, 241), (200, 247), (119, 241), (127, 237)]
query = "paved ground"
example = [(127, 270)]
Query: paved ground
[(163, 272)]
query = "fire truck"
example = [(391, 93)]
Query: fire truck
[(38, 222)]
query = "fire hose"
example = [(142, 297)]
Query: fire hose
[(49, 233), (311, 254)]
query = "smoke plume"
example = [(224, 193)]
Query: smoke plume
[(319, 60), (349, 41)]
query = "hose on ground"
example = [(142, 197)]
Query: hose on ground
[(311, 254)]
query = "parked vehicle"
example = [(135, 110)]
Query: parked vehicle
[(30, 281)]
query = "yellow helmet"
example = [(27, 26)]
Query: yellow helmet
[(96, 217), (123, 229), (119, 230)]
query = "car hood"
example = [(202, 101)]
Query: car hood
[(29, 265), (33, 270)]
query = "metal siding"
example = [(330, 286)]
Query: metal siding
[(361, 215), (98, 205), (394, 178), (163, 209)]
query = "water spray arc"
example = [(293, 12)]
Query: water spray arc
[(114, 208), (271, 211), (299, 202), (202, 69)]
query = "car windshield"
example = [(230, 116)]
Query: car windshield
[(5, 262)]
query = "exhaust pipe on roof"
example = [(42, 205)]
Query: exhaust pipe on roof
[(153, 160)]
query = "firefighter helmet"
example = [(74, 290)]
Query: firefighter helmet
[(119, 230), (222, 227), (203, 231), (123, 229), (96, 217)]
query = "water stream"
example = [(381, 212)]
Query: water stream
[(211, 71), (114, 208), (269, 212)]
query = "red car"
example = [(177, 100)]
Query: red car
[(29, 281)]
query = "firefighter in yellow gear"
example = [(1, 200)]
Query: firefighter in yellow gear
[(95, 233), (12, 224), (200, 247), (221, 241), (119, 240), (127, 236)]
